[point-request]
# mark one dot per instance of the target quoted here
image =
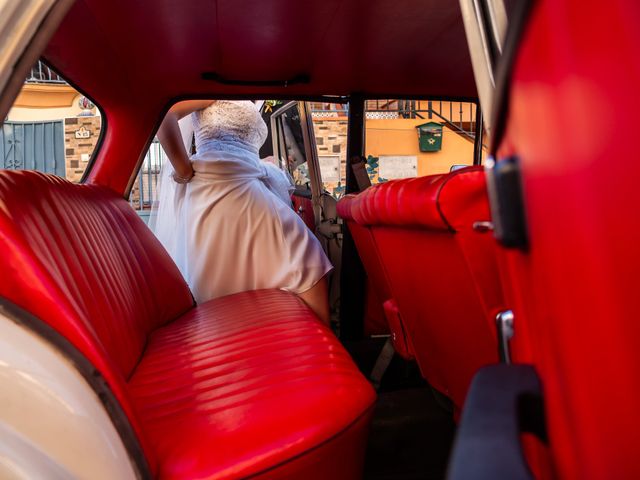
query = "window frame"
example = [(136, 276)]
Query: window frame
[(479, 119), (80, 91), (485, 24), (31, 23)]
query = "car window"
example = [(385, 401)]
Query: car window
[(330, 129), (51, 127), (296, 161), (144, 190), (409, 138), (143, 194)]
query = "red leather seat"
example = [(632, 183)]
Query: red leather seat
[(378, 280), (442, 274), (246, 385), (206, 384)]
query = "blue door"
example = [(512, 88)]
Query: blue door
[(33, 146)]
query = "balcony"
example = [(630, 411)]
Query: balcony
[(456, 115), (40, 73)]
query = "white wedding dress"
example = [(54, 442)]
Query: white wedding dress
[(232, 228)]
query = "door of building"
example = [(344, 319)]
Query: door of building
[(33, 146)]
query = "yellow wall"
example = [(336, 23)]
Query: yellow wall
[(400, 137), (45, 102)]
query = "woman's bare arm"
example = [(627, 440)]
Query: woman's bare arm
[(171, 139)]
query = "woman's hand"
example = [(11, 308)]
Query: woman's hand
[(184, 176), (171, 138)]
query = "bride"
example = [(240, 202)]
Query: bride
[(225, 216)]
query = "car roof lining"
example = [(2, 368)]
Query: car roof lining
[(135, 59), (151, 50)]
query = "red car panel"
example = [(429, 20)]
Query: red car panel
[(572, 123)]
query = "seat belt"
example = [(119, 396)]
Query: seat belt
[(359, 168)]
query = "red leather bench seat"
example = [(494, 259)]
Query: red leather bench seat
[(251, 384), (436, 202), (442, 274), (368, 252), (257, 379)]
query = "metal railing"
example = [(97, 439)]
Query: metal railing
[(145, 188), (40, 73), (459, 116), (329, 110)]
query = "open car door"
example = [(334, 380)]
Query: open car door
[(294, 148), (293, 151)]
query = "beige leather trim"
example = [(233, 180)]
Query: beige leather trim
[(19, 20), (52, 424)]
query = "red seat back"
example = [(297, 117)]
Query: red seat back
[(442, 274), (380, 289), (79, 258)]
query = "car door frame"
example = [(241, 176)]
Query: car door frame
[(24, 33), (327, 229), (308, 137)]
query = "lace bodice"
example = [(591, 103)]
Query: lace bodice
[(225, 124)]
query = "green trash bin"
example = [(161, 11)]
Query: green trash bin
[(430, 137)]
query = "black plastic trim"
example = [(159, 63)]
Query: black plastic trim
[(506, 197), (356, 131), (353, 284), (298, 79), (477, 144), (518, 21), (503, 402), (93, 378)]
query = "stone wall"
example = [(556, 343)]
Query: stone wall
[(331, 139), (81, 135)]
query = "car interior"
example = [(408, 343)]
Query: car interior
[(482, 313)]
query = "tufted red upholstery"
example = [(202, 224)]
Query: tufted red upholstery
[(79, 258), (89, 248), (438, 202), (440, 272), (214, 370), (251, 384)]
